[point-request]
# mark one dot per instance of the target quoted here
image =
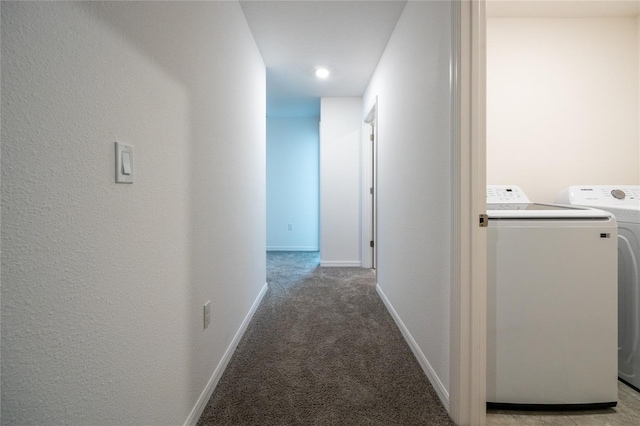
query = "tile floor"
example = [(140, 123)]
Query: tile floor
[(626, 413)]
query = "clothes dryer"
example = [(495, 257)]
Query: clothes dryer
[(551, 304), (624, 202)]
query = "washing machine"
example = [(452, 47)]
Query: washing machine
[(624, 202), (551, 304)]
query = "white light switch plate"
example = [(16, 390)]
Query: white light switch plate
[(124, 163)]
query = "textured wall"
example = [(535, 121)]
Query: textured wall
[(340, 174), (293, 185), (103, 284), (414, 177), (562, 103)]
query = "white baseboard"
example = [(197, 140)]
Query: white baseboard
[(292, 248), (195, 414), (440, 389), (340, 263)]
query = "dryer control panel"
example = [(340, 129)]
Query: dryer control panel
[(506, 194), (601, 195)]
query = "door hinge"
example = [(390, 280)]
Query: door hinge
[(371, 137), (484, 221), (371, 190), (371, 244)]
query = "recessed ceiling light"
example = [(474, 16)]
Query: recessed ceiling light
[(322, 73)]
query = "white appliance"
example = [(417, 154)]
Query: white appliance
[(624, 202), (551, 304)]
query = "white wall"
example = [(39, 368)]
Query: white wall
[(562, 103), (414, 182), (293, 184), (340, 139), (103, 284)]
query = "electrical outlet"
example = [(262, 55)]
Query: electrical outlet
[(207, 313)]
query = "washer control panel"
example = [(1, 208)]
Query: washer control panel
[(507, 194)]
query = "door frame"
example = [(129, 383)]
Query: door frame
[(467, 387), (369, 200)]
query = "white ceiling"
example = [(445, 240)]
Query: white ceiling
[(348, 37), (295, 37)]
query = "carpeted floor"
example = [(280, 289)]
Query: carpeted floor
[(322, 350)]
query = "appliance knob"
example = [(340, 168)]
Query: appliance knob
[(618, 193)]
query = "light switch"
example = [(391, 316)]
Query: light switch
[(124, 163)]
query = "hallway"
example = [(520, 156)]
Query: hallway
[(105, 285), (322, 349)]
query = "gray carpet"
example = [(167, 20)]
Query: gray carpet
[(322, 350)]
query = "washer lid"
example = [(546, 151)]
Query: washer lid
[(542, 211)]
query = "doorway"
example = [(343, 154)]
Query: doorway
[(369, 190), (292, 182)]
